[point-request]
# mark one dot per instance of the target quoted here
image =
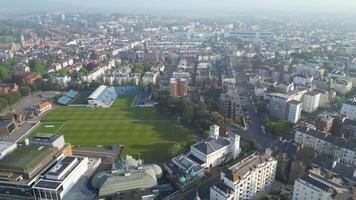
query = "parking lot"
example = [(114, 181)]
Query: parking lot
[(30, 101)]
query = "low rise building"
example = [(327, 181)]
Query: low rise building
[(60, 178), (6, 147), (216, 150), (43, 107), (126, 175)]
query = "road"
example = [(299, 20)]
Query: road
[(254, 131)]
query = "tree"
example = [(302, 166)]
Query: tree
[(175, 149), (63, 72), (138, 69), (83, 71), (3, 103), (25, 91), (206, 133), (4, 73), (252, 145), (37, 66)]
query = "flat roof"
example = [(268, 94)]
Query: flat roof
[(4, 145), (47, 184), (25, 158), (61, 166)]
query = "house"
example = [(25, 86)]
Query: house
[(26, 77), (6, 88), (43, 107)]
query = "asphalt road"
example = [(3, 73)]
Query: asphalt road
[(254, 130)]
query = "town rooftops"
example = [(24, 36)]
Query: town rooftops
[(211, 145), (27, 159), (245, 165), (294, 101), (43, 105), (312, 93), (311, 179), (337, 141)]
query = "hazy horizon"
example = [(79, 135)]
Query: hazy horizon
[(185, 7)]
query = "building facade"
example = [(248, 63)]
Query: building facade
[(326, 144), (311, 101), (246, 178)]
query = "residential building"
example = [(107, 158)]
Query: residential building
[(349, 109), (318, 184), (6, 88), (342, 86), (178, 87), (43, 107), (309, 69), (26, 77), (230, 105), (245, 179), (150, 77), (327, 144), (324, 122), (294, 111), (311, 101)]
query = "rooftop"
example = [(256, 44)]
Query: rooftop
[(337, 141), (246, 165), (211, 145), (25, 158)]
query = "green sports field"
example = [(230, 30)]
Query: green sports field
[(143, 131)]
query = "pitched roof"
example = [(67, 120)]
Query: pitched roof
[(211, 145)]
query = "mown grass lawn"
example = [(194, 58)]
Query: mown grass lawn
[(142, 130)]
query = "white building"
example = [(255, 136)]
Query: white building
[(311, 101), (150, 77), (326, 144), (215, 150), (64, 80), (317, 184), (96, 74), (246, 178), (60, 178), (294, 111), (349, 110), (103, 96), (342, 86)]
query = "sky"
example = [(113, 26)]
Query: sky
[(184, 7)]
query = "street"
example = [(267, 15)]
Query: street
[(254, 131)]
